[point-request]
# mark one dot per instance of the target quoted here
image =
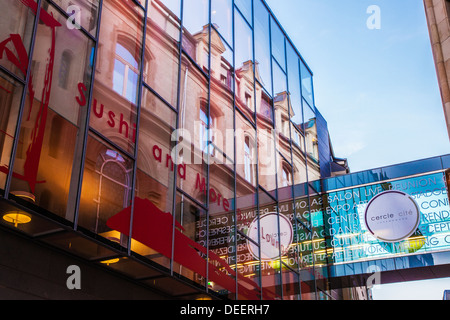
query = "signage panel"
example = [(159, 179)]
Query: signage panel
[(418, 223), (392, 216)]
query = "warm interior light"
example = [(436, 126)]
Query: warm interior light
[(110, 261), (204, 298), (17, 218)]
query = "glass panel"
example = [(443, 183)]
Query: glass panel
[(16, 26), (10, 96), (245, 153), (190, 243), (310, 129), (267, 168), (222, 68), (222, 18), (161, 53), (301, 212), (196, 31), (155, 177), (284, 179), (116, 80), (248, 267), (282, 112), (306, 262), (445, 162), (249, 264), (293, 73), (191, 153), (278, 49), (289, 211), (222, 231), (173, 5), (410, 168), (221, 133), (262, 45), (279, 81), (245, 6), (244, 67), (291, 284), (264, 106), (271, 241), (307, 86), (82, 13), (49, 134), (106, 191)]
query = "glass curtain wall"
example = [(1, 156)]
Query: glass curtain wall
[(179, 132)]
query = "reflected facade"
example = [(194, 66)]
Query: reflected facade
[(164, 137)]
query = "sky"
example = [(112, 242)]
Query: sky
[(377, 89)]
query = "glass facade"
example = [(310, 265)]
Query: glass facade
[(166, 139), (123, 118)]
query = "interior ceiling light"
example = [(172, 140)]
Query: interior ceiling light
[(16, 218), (111, 261)]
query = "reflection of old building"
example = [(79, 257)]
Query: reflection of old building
[(177, 123)]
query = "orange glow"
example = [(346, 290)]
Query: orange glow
[(17, 218)]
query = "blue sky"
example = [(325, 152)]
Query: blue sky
[(377, 89)]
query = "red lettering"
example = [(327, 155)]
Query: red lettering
[(158, 157), (111, 121), (212, 195), (97, 113), (201, 185), (169, 161), (182, 171), (121, 124), (82, 100), (226, 204), (134, 132)]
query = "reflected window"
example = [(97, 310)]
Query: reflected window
[(286, 176), (114, 188), (248, 160), (125, 74), (297, 138), (203, 127), (64, 69)]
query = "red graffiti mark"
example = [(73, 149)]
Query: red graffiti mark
[(21, 61), (33, 152), (153, 228), (44, 16)]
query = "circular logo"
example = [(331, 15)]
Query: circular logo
[(392, 216), (274, 243)]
